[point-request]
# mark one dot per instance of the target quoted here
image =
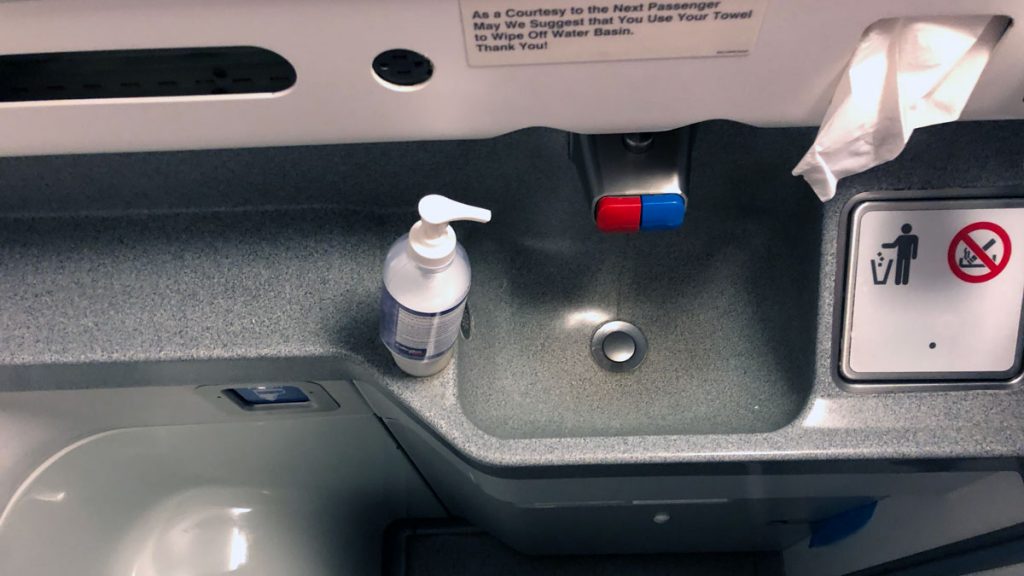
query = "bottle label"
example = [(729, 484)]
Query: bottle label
[(418, 335)]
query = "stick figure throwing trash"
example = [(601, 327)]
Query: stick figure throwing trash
[(906, 250)]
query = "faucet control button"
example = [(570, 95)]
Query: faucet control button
[(635, 213), (662, 211), (619, 347), (618, 214)]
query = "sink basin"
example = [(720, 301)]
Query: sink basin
[(727, 303)]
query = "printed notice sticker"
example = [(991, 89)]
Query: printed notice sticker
[(509, 32)]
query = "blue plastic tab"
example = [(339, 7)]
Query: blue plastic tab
[(841, 526), (265, 395), (662, 211)]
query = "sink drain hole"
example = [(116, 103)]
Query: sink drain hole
[(618, 346)]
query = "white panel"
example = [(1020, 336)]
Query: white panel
[(787, 79), (924, 302)]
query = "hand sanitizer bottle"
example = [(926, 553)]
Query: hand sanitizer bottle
[(426, 281)]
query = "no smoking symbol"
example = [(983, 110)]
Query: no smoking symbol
[(979, 252)]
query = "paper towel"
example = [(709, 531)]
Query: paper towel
[(906, 73)]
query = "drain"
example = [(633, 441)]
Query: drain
[(618, 346)]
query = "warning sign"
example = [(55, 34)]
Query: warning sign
[(933, 292), (979, 252), (508, 32)]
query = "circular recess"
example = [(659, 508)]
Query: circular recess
[(618, 346), (402, 69)]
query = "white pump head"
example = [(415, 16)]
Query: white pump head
[(431, 240)]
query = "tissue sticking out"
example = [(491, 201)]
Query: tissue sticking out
[(906, 73)]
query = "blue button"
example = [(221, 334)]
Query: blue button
[(264, 395), (662, 211)]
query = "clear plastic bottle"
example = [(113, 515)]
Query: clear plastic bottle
[(426, 281)]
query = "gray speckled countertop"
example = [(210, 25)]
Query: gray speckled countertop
[(275, 254)]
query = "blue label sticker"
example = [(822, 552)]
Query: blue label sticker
[(418, 335)]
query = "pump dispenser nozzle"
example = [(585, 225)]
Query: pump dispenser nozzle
[(431, 240)]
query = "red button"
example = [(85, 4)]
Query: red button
[(618, 214)]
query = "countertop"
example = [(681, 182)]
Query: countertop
[(149, 259)]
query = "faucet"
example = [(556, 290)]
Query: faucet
[(635, 181)]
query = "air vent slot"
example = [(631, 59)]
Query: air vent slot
[(148, 73)]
